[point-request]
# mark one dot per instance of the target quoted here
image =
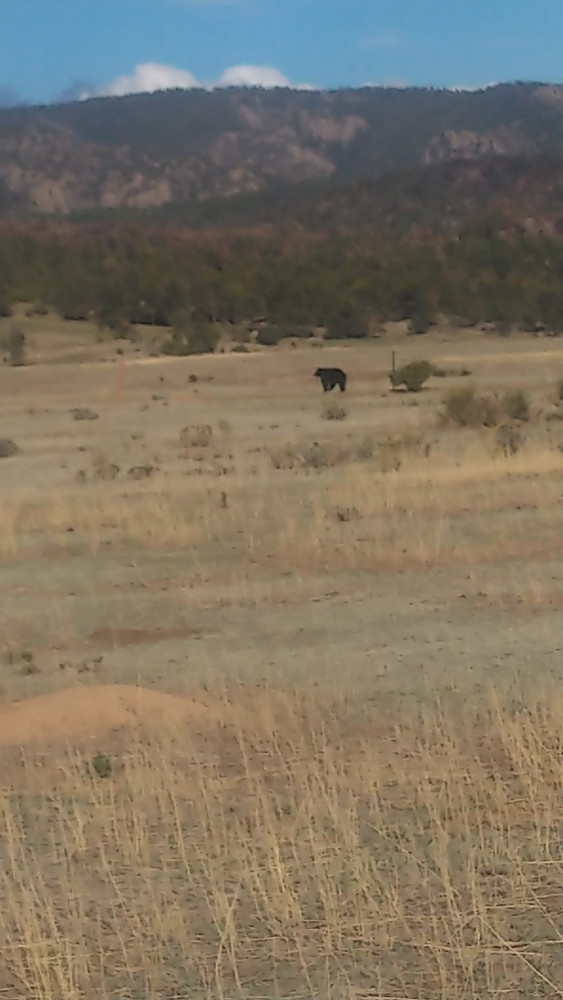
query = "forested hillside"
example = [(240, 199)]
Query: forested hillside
[(496, 194), (348, 283), (340, 210)]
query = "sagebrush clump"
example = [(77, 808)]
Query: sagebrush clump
[(412, 376), (509, 439), (516, 405), (335, 412), (188, 338), (468, 409), (269, 335), (103, 467), (199, 436), (8, 448)]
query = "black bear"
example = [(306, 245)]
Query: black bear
[(330, 377)]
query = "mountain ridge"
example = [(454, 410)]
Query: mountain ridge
[(149, 150)]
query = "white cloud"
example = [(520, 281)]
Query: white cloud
[(251, 76), (146, 78), (482, 86), (149, 77)]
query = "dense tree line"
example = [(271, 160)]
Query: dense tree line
[(128, 274)]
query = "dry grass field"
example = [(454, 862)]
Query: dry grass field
[(280, 699)]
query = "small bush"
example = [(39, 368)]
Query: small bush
[(324, 455), (82, 413), (509, 439), (284, 456), (203, 339), (393, 452), (102, 764), (467, 409), (321, 454), (559, 390), (348, 323), (200, 339), (335, 412), (8, 448), (346, 514), (15, 345), (140, 471), (420, 323), (450, 372), (225, 427), (365, 448), (29, 668), (37, 309), (412, 376), (269, 335), (102, 468), (15, 655), (515, 405), (199, 436), (76, 313)]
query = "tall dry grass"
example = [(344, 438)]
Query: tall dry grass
[(424, 510), (297, 849)]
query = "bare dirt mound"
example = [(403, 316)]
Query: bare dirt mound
[(78, 716)]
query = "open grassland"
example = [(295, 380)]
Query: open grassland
[(281, 702)]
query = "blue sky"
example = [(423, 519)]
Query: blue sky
[(115, 46)]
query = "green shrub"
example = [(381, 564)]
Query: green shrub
[(343, 328), (114, 320), (102, 764), (8, 448), (301, 332), (419, 323), (516, 405), (412, 376), (269, 335), (201, 338), (467, 409)]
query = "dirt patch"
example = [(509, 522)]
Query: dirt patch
[(113, 637), (77, 716)]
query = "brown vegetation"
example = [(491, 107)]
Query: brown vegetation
[(282, 718)]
